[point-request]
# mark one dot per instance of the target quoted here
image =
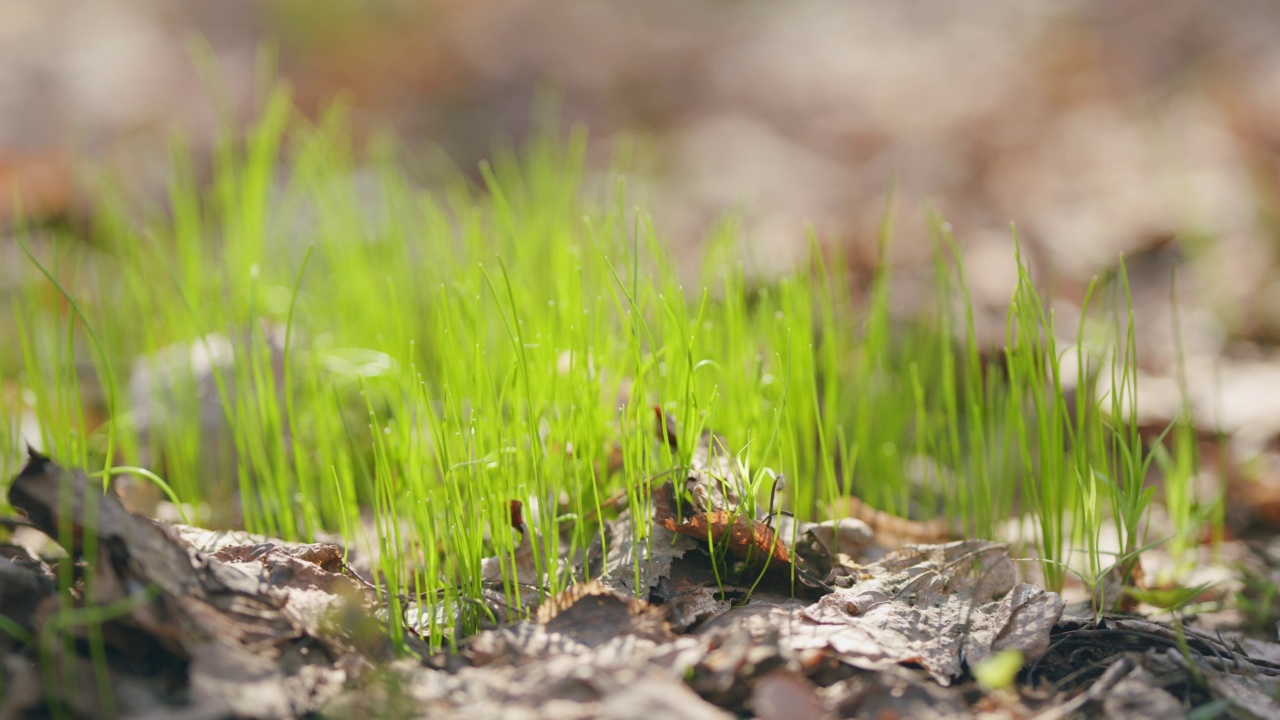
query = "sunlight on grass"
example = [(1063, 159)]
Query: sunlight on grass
[(330, 348)]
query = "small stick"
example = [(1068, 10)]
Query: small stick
[(779, 483)]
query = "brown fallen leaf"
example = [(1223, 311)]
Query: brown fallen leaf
[(637, 566), (326, 555), (64, 502), (784, 694), (941, 607), (272, 638), (592, 614), (694, 606), (748, 539), (317, 565), (891, 530), (24, 585), (43, 180)]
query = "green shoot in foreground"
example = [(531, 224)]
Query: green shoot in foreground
[(307, 345)]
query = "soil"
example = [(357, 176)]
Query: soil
[(195, 623)]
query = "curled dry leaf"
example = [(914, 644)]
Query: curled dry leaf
[(942, 607), (893, 531), (24, 585), (784, 694), (693, 606), (748, 539), (621, 562), (271, 638), (592, 614), (317, 565)]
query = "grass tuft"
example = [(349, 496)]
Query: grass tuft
[(312, 343)]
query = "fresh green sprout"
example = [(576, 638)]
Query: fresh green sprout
[(448, 351)]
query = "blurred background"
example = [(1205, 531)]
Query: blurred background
[(1098, 127)]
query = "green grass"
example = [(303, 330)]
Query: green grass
[(403, 362)]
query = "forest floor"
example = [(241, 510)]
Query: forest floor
[(1144, 129)]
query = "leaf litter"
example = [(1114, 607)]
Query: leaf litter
[(706, 614)]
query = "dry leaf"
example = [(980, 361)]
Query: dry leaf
[(592, 614), (748, 539), (935, 606)]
